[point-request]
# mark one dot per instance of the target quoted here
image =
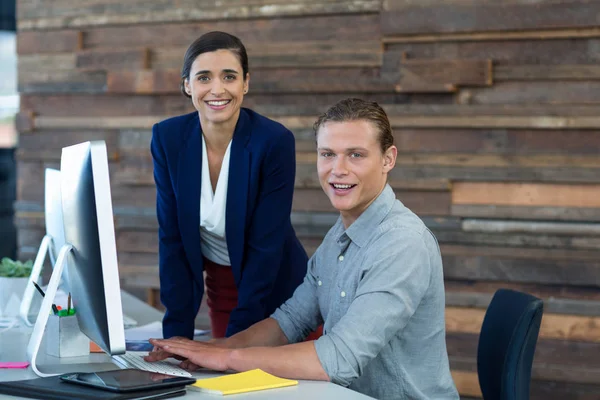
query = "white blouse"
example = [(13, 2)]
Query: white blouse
[(212, 211)]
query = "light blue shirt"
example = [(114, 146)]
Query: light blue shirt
[(378, 288)]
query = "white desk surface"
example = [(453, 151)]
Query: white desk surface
[(13, 347)]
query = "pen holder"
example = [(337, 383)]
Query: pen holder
[(64, 338)]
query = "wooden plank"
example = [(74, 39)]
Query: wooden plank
[(554, 326), (63, 81), (137, 122), (313, 80), (549, 122), (533, 35), (495, 174), (473, 110), (495, 141), (139, 276), (551, 305), (29, 177), (29, 239), (522, 253), (581, 293), (517, 269), (144, 81), (519, 240), (36, 64), (416, 75), (542, 228), (138, 12), (113, 59), (137, 241), (90, 105), (253, 32), (294, 54), (533, 72), (49, 42), (24, 120), (539, 373), (526, 194), (421, 202), (47, 145), (294, 105), (404, 18), (539, 52), (133, 196), (526, 212), (31, 219), (560, 92)]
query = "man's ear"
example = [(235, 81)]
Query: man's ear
[(389, 158)]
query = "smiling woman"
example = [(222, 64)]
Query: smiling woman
[(225, 179)]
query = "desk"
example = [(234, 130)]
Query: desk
[(13, 347)]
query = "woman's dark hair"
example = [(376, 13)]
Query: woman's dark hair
[(356, 109), (212, 41)]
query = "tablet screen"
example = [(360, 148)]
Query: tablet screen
[(127, 379)]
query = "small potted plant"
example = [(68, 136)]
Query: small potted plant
[(14, 276)]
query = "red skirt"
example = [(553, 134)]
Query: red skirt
[(222, 297)]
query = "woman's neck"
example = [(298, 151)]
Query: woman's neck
[(219, 135)]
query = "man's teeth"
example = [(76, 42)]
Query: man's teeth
[(337, 186), (218, 103)]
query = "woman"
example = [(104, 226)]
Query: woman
[(225, 180)]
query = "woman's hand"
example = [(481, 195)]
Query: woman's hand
[(196, 354)]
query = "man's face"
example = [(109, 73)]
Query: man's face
[(352, 169)]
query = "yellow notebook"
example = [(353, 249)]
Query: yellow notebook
[(242, 382)]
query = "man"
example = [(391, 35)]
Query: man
[(376, 283)]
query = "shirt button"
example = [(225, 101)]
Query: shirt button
[(343, 294), (320, 283), (341, 258)]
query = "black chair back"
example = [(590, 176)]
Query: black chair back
[(507, 344)]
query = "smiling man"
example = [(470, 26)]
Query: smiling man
[(375, 283)]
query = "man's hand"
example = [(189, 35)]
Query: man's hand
[(195, 354), (159, 355)]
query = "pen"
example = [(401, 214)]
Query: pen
[(69, 304), (44, 295)]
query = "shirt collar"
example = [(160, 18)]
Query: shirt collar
[(361, 229)]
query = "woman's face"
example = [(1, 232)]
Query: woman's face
[(217, 86)]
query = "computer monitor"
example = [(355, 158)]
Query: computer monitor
[(92, 266), (89, 252)]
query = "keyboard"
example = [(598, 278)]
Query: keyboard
[(134, 359)]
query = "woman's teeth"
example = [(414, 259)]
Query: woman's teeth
[(218, 103)]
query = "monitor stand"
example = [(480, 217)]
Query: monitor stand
[(46, 247), (53, 365)]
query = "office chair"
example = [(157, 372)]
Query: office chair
[(506, 345)]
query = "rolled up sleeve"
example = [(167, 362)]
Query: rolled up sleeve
[(300, 315), (395, 280)]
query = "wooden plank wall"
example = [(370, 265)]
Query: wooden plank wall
[(495, 112)]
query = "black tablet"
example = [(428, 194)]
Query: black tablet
[(126, 380)]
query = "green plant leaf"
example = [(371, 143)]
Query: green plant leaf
[(15, 269)]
